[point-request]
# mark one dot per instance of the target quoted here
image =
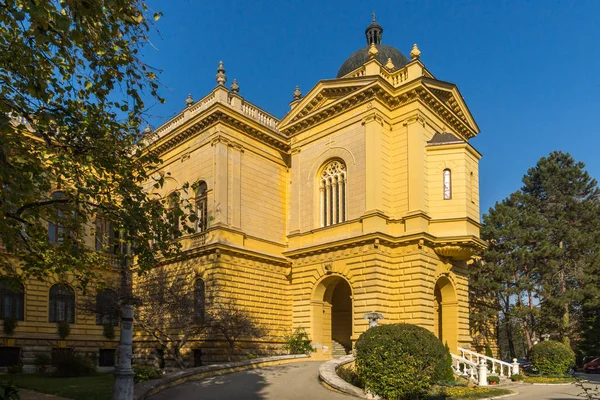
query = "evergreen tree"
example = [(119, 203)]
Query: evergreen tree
[(542, 259)]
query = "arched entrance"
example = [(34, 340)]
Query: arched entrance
[(332, 315), (445, 318)]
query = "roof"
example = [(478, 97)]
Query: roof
[(444, 138), (360, 57)]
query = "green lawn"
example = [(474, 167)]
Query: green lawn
[(97, 387)]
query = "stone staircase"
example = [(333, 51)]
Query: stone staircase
[(338, 350)]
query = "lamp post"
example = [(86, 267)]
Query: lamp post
[(373, 317)]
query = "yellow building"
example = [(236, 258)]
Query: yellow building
[(363, 198)]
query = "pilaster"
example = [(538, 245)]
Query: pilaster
[(374, 126), (415, 130), (221, 182)]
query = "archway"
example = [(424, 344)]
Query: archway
[(332, 315), (445, 314)]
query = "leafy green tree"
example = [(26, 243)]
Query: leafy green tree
[(71, 102), (542, 259)]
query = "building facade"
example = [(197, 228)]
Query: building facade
[(363, 198)]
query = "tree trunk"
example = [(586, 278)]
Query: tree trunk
[(231, 344)]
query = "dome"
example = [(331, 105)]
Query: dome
[(374, 33), (359, 57)]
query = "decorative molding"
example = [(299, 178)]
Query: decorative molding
[(366, 94), (213, 118)]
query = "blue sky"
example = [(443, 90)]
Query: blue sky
[(528, 70)]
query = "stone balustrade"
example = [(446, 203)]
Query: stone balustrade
[(499, 367)]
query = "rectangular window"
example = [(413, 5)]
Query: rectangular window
[(10, 356), (106, 358)]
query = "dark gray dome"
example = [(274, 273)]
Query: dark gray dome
[(358, 58)]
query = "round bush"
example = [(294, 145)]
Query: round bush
[(401, 361), (552, 358)]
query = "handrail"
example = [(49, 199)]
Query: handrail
[(497, 366), (464, 367)]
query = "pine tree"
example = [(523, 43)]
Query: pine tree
[(542, 259)]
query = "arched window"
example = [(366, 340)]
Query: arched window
[(333, 193), (199, 299), (201, 207), (62, 303), (447, 184), (107, 307), (55, 228), (11, 300)]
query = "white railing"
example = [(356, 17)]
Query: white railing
[(465, 368), (495, 366)]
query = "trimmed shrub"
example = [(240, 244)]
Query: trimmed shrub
[(552, 358), (42, 361), (516, 377), (63, 329), (108, 330), (401, 361), (493, 379), (297, 342), (10, 324), (144, 373), (8, 391), (68, 363)]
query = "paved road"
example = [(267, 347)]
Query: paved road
[(298, 381), (295, 381)]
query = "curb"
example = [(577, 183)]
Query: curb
[(146, 389), (501, 396), (329, 377), (552, 384)]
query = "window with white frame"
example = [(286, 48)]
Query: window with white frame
[(333, 193), (447, 184)]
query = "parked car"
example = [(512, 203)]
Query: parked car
[(592, 366)]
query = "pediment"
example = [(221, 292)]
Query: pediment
[(322, 95), (450, 96)]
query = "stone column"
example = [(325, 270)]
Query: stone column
[(515, 367), (482, 373)]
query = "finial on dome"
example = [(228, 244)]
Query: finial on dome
[(189, 101), (415, 53), (390, 65), (147, 129), (374, 16), (235, 88), (373, 51), (221, 77), (297, 93), (374, 32)]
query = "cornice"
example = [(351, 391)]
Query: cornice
[(215, 114), (217, 249), (378, 238), (382, 91)]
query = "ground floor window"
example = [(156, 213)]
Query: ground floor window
[(106, 358), (197, 357), (10, 356)]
